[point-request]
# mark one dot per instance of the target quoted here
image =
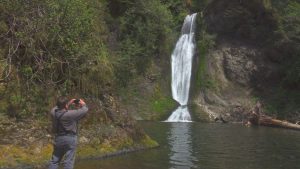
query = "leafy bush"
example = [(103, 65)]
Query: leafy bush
[(290, 28), (144, 31), (52, 45)]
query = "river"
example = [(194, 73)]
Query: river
[(209, 146)]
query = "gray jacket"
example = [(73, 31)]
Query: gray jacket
[(65, 121)]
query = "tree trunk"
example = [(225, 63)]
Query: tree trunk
[(268, 121), (257, 118)]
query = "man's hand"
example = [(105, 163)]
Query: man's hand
[(81, 102), (71, 102)]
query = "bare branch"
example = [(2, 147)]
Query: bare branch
[(11, 52)]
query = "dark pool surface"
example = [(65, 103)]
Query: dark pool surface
[(209, 146)]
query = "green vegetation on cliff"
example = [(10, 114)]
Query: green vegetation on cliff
[(287, 53), (91, 49), (50, 46), (85, 48), (205, 42), (262, 33), (106, 49)]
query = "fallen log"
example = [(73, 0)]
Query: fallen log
[(268, 121), (257, 118)]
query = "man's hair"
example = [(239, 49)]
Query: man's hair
[(62, 102)]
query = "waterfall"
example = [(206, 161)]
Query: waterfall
[(181, 60)]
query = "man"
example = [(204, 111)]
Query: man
[(65, 128)]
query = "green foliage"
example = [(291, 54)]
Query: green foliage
[(283, 103), (290, 22), (178, 10), (56, 44), (145, 27), (69, 33), (65, 46), (199, 6), (26, 71), (292, 10), (271, 110), (161, 104), (292, 71), (205, 42), (125, 68), (290, 28), (267, 4), (285, 99)]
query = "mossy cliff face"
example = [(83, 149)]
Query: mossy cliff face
[(38, 154), (149, 97), (241, 52), (106, 130)]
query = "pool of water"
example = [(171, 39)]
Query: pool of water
[(209, 146)]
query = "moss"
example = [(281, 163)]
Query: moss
[(12, 155), (92, 150), (114, 146), (201, 115), (203, 79), (3, 105), (161, 104), (125, 143), (202, 66), (148, 142), (205, 42)]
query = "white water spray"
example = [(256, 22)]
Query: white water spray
[(182, 58)]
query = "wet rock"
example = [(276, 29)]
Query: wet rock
[(240, 65)]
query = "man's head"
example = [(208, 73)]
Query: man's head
[(62, 102)]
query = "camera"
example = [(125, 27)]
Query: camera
[(76, 101)]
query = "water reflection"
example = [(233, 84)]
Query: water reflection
[(209, 146), (180, 142)]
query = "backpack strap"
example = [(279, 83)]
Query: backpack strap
[(57, 118)]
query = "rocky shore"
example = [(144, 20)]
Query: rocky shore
[(106, 131)]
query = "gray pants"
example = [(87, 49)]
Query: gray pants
[(64, 146)]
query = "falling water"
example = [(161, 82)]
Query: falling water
[(182, 57)]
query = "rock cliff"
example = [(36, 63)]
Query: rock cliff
[(244, 65)]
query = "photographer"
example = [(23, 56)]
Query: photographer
[(65, 128)]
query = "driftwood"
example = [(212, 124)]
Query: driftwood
[(278, 123), (258, 118)]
